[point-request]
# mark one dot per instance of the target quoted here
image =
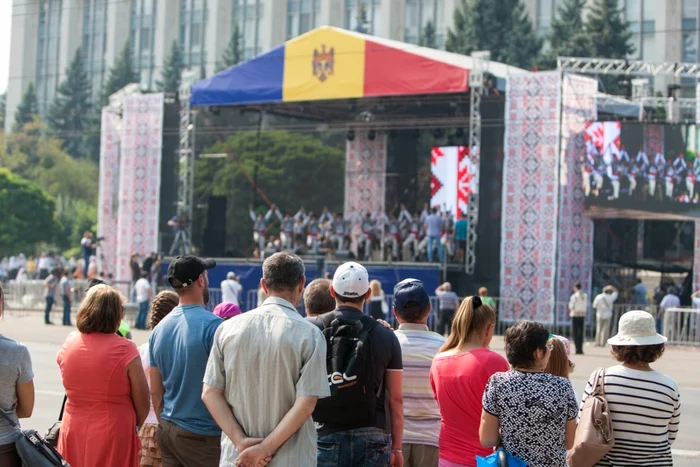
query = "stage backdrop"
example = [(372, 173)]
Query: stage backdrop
[(530, 189), (454, 175), (139, 178), (575, 257), (108, 203), (365, 172)]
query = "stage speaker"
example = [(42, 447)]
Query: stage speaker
[(214, 241)]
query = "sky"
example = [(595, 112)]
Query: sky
[(5, 29)]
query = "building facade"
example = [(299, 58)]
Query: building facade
[(46, 33)]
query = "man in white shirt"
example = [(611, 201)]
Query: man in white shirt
[(603, 305), (578, 307), (231, 289), (143, 297), (65, 288), (671, 300)]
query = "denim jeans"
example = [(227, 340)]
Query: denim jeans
[(432, 242), (66, 310), (141, 318), (363, 447), (47, 310)]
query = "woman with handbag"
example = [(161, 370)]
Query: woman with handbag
[(644, 404), (16, 393), (106, 388), (531, 413)]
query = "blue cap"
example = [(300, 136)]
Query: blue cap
[(410, 290)]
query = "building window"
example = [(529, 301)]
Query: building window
[(193, 25), (364, 16), (248, 15), (47, 65), (421, 12), (141, 39), (302, 16), (690, 31), (640, 16)]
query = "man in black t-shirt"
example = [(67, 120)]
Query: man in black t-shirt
[(340, 444)]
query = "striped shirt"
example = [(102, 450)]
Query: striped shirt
[(448, 299), (645, 407), (421, 423)]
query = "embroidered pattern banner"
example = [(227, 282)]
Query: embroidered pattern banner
[(108, 200), (530, 189), (575, 258), (696, 263), (365, 173), (453, 178), (139, 178)]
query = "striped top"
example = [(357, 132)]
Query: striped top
[(645, 407), (421, 423)]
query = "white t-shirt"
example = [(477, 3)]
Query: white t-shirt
[(143, 352), (603, 304), (143, 289), (230, 291)]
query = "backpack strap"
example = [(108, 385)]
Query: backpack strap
[(9, 420)]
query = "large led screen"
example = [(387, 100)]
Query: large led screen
[(638, 170)]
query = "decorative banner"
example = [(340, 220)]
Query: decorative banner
[(530, 189), (697, 103), (108, 201), (365, 173), (604, 137), (575, 258), (696, 263), (653, 140), (139, 178), (454, 176)]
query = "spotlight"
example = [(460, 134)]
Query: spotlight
[(351, 135), (371, 135)]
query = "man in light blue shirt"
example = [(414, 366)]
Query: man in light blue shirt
[(640, 293), (179, 348), (433, 229)]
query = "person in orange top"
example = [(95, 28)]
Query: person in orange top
[(106, 387)]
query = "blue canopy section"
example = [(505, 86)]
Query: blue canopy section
[(255, 81)]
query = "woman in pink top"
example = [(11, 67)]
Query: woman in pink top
[(105, 384), (458, 375)]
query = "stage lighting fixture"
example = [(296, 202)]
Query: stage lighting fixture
[(351, 135), (371, 135)]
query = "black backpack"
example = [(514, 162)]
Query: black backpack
[(350, 368)]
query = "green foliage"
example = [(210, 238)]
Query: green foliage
[(427, 37), (292, 170), (70, 111), (3, 109), (171, 75), (502, 27), (28, 108), (121, 74), (609, 32), (233, 54), (569, 37), (27, 214), (75, 217)]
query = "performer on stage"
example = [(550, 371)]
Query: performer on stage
[(287, 229), (393, 239), (313, 232), (627, 170), (680, 172), (696, 176), (260, 228), (299, 229), (413, 239), (367, 225), (340, 231), (669, 181)]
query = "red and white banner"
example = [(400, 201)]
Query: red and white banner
[(605, 138), (365, 172), (454, 176), (108, 198)]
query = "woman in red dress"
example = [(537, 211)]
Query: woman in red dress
[(108, 395)]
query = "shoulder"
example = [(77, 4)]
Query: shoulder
[(12, 347), (494, 359)]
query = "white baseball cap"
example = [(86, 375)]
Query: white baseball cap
[(351, 280)]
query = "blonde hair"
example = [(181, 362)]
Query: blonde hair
[(101, 311), (162, 305), (558, 363), (467, 322), (376, 288)]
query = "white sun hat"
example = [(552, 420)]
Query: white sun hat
[(637, 327)]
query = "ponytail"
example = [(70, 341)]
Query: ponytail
[(472, 317)]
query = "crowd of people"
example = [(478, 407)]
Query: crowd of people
[(335, 388), (640, 175), (399, 235)]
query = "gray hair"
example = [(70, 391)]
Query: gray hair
[(283, 271), (230, 276)]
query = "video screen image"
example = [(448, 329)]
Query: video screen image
[(638, 170)]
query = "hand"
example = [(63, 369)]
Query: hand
[(273, 206), (245, 443), (396, 459), (385, 324), (253, 456)]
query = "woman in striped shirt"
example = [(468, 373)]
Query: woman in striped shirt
[(644, 404)]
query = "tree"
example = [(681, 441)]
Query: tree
[(28, 108), (121, 74), (427, 37), (233, 53), (609, 32), (2, 111), (171, 76), (569, 37), (69, 113), (482, 25), (27, 214)]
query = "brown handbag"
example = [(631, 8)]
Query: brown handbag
[(594, 433), (54, 431)]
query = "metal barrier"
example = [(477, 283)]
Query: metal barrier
[(682, 326)]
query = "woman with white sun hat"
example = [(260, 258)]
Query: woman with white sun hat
[(644, 404)]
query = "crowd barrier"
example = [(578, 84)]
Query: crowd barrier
[(681, 326)]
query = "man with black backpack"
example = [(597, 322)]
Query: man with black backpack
[(365, 376)]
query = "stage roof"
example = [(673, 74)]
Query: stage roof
[(332, 63)]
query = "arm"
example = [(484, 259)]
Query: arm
[(572, 302), (139, 390), (269, 212), (218, 407), (25, 399), (489, 430), (394, 385), (157, 390), (279, 215), (675, 420), (695, 294), (570, 433), (253, 217)]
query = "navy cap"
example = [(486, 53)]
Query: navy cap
[(186, 269), (410, 290)]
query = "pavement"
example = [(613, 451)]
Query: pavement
[(44, 342)]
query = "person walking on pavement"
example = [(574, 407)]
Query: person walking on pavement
[(603, 305), (578, 308), (50, 285), (449, 302), (66, 292), (143, 298)]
